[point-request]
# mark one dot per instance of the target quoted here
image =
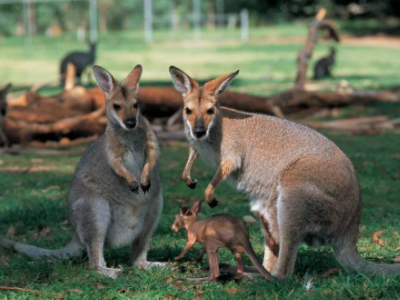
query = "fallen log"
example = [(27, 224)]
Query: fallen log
[(366, 125), (165, 101), (51, 118)]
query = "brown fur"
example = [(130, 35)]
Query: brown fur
[(215, 232), (301, 184)]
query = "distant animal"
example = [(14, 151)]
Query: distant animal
[(323, 67), (299, 182), (80, 60), (115, 197), (3, 112), (216, 232)]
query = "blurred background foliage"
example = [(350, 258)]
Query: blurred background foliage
[(128, 14)]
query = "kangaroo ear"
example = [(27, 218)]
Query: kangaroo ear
[(218, 85), (182, 81), (196, 207), (133, 78), (104, 79), (5, 90), (185, 211)]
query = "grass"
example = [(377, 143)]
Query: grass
[(266, 63), (34, 185)]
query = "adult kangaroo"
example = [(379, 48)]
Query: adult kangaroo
[(115, 198), (300, 184), (80, 60)]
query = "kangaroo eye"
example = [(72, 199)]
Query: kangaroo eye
[(135, 105), (210, 111), (188, 111), (117, 107)]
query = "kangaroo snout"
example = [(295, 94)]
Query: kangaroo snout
[(199, 130), (130, 123)]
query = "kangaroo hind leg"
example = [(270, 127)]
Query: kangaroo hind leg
[(93, 219)]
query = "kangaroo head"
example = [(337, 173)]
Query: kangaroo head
[(121, 99), (186, 217), (3, 101), (200, 103)]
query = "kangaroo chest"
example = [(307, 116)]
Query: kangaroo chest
[(134, 162), (207, 153)]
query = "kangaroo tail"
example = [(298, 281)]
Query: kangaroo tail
[(73, 249), (252, 256), (347, 255)]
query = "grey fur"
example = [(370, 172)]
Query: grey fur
[(102, 208), (3, 113)]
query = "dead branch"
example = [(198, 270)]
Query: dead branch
[(306, 53)]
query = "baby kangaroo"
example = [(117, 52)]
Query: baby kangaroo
[(300, 184), (106, 206), (215, 232)]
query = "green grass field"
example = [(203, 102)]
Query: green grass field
[(34, 184)]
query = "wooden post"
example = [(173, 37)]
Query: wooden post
[(27, 22), (196, 19), (148, 21), (220, 13), (94, 36), (244, 24)]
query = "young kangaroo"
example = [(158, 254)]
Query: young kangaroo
[(3, 112), (324, 65), (106, 206), (215, 232), (300, 183)]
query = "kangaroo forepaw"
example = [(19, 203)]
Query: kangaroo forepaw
[(134, 187), (145, 187), (191, 183), (213, 202)]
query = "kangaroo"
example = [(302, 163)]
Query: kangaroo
[(215, 232), (3, 112), (299, 182), (324, 65), (80, 60), (115, 197)]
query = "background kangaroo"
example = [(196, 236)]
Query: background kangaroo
[(81, 60), (300, 183), (3, 112), (323, 66), (105, 204), (215, 232)]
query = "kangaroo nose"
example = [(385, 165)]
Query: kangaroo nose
[(199, 132), (130, 123)]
